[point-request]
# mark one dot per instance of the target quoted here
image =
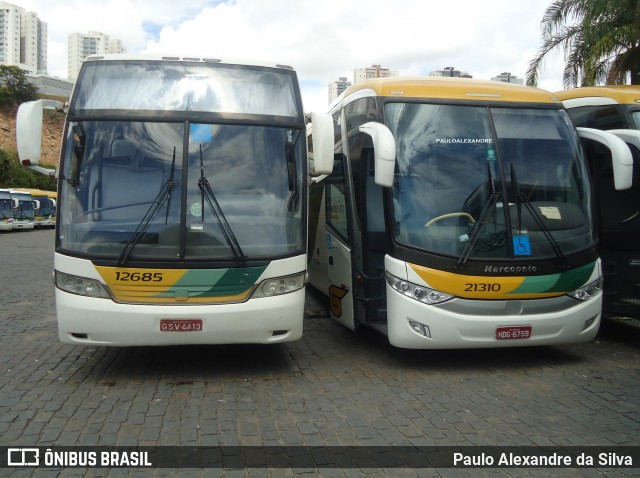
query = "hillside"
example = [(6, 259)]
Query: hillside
[(51, 134)]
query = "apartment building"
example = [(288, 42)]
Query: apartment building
[(23, 39), (81, 45)]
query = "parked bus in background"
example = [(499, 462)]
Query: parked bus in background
[(45, 214), (182, 212), (458, 214), (6, 210), (617, 110), (23, 209)]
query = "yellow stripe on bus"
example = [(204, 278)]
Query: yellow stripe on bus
[(482, 287)]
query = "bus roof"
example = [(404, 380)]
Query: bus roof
[(597, 95), (185, 58), (16, 192), (37, 192), (452, 88)]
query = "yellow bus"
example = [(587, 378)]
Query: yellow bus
[(45, 208), (615, 109), (459, 215)]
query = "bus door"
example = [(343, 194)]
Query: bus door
[(370, 242), (339, 245), (618, 230), (375, 244)]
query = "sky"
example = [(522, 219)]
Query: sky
[(322, 39)]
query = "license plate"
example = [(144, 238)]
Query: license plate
[(180, 325), (512, 333)]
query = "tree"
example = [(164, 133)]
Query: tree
[(601, 46), (14, 175), (14, 86)]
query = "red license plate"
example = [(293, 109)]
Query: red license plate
[(513, 333), (180, 325)]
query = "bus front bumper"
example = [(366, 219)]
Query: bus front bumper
[(92, 321), (485, 324)]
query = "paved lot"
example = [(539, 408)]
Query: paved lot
[(333, 388)]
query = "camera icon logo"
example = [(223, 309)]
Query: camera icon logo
[(23, 457)]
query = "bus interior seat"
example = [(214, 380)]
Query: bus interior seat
[(122, 148), (124, 168)]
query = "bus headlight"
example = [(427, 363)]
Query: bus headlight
[(588, 291), (280, 285), (417, 292), (80, 285)]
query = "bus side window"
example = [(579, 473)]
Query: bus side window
[(598, 117), (336, 200)]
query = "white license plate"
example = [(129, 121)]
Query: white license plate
[(180, 325)]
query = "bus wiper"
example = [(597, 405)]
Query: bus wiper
[(171, 175), (475, 233), (163, 195), (292, 174), (78, 152), (207, 193), (521, 199)]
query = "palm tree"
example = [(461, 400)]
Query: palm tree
[(601, 46)]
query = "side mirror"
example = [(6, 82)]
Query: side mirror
[(322, 143), (621, 157), (36, 204), (29, 132), (629, 136), (15, 204), (384, 150)]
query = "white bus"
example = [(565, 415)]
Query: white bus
[(459, 215), (6, 210), (182, 207), (615, 109), (23, 210), (45, 212)]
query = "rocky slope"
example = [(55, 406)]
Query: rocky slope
[(51, 133)]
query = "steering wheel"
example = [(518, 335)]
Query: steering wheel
[(451, 214)]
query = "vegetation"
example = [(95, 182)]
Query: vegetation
[(14, 175), (602, 45), (16, 89)]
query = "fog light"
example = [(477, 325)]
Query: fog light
[(588, 323), (420, 328)]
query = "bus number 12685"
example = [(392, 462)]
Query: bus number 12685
[(139, 276)]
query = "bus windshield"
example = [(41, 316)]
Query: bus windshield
[(46, 206), (130, 181), (25, 208), (488, 182), (180, 86), (5, 208), (635, 117)]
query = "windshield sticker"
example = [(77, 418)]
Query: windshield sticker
[(521, 246), (200, 133), (464, 140), (550, 212), (491, 155), (196, 209)]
